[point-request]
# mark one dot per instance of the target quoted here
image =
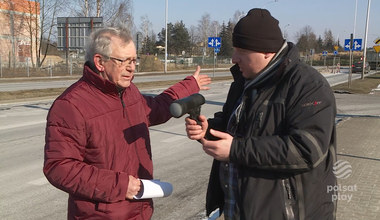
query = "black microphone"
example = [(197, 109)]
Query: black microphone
[(191, 104)]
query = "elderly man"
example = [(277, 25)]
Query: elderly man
[(97, 139)]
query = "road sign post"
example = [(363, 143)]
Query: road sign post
[(216, 43), (333, 66), (324, 54)]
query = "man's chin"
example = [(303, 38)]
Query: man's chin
[(124, 85)]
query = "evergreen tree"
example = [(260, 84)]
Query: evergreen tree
[(226, 37), (319, 46), (149, 45), (180, 39), (161, 37)]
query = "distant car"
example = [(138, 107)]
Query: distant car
[(358, 67)]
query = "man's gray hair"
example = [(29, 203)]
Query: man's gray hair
[(100, 40)]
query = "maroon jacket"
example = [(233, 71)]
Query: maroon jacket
[(96, 138)]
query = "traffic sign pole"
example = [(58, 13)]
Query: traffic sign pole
[(365, 39), (213, 70), (350, 69)]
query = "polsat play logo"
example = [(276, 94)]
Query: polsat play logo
[(342, 169)]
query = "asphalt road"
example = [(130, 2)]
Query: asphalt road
[(26, 194), (26, 84)]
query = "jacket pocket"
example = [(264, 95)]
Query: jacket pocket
[(289, 200)]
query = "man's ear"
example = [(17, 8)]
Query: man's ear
[(98, 61), (269, 55)]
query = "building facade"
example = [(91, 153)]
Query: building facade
[(73, 31), (19, 32)]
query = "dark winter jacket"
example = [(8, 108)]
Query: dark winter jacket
[(285, 147), (96, 138)]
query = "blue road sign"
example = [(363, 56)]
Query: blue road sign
[(214, 42), (335, 52), (216, 49), (210, 42), (356, 44), (324, 53)]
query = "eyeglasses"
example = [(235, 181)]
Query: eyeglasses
[(122, 63)]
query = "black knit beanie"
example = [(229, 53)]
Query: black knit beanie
[(258, 31)]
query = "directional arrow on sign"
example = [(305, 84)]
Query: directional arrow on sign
[(217, 42), (211, 42), (347, 46), (356, 45)]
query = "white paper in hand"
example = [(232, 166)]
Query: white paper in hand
[(154, 189)]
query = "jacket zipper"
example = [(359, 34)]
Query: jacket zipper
[(122, 102), (257, 123), (259, 119), (288, 199)]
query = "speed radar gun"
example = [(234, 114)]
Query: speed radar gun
[(191, 105)]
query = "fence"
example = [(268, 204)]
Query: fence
[(49, 69), (146, 63)]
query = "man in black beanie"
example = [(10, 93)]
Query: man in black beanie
[(274, 143)]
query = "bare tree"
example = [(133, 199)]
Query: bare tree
[(215, 28), (13, 34), (86, 9), (48, 13), (112, 11), (204, 30), (237, 16), (36, 22), (80, 8), (194, 39), (145, 26), (145, 31), (306, 39), (328, 41), (98, 4), (118, 11)]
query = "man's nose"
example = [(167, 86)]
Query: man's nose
[(131, 67)]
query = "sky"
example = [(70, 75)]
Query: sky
[(293, 15)]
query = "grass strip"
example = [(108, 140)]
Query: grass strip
[(54, 92)]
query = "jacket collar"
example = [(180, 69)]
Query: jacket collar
[(91, 75)]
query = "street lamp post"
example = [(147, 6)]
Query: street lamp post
[(356, 11), (365, 39), (166, 36), (352, 37)]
